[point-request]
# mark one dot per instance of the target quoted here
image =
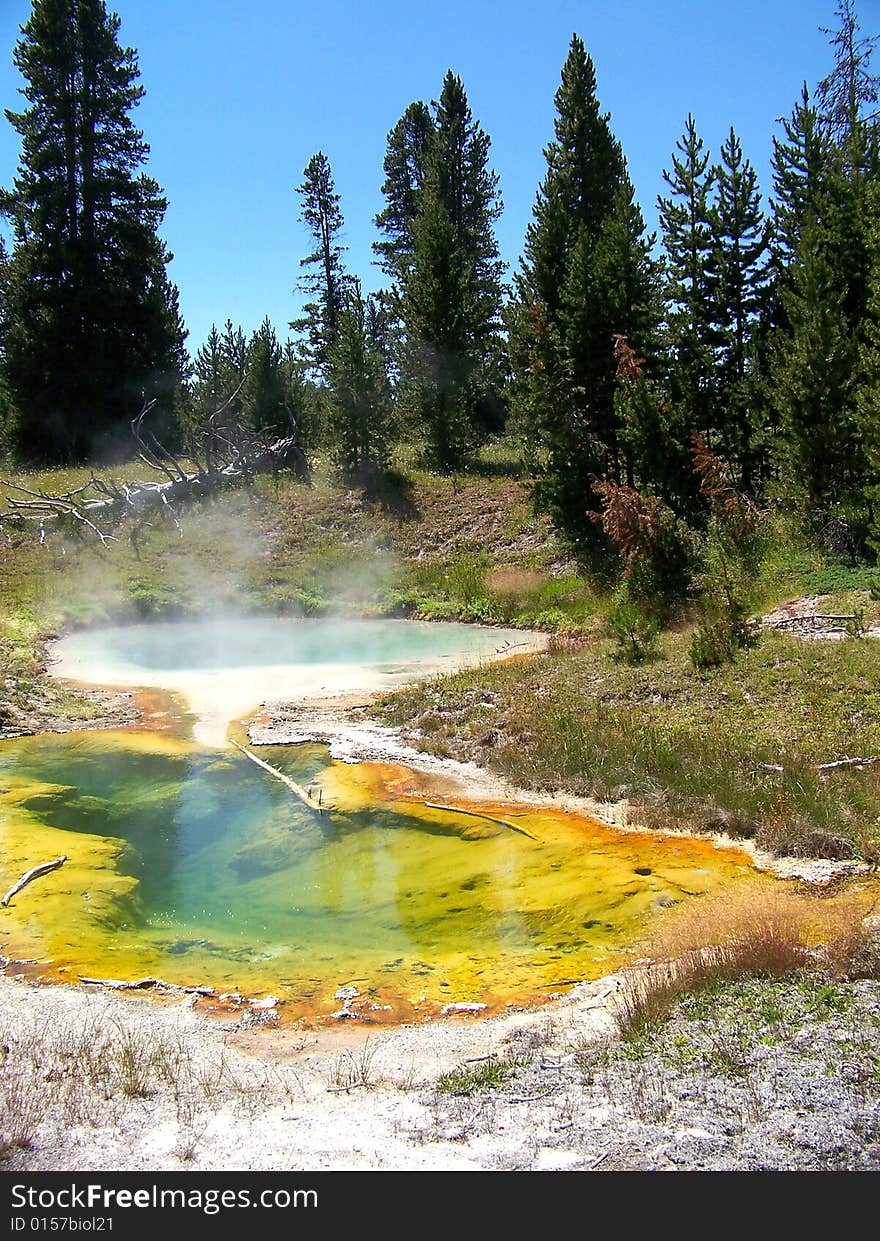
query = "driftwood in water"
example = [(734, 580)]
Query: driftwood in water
[(304, 795), (228, 454), (145, 984), (43, 869), (476, 814)]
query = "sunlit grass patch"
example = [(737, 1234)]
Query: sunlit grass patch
[(749, 932)]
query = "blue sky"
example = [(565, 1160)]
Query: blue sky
[(240, 96)]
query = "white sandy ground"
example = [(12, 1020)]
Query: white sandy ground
[(269, 1099), (729, 1092), (240, 1092)]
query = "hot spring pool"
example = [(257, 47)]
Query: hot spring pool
[(227, 667), (195, 866), (188, 862)]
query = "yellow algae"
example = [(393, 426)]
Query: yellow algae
[(55, 917), (197, 867)]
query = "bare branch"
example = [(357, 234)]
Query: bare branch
[(233, 453)]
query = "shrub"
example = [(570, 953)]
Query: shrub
[(732, 557), (658, 549), (721, 635), (635, 634)]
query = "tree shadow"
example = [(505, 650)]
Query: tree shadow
[(392, 491)]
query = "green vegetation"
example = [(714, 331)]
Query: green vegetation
[(466, 1079), (688, 749), (90, 319)]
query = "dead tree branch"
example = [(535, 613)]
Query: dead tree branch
[(228, 454), (29, 876), (476, 814)]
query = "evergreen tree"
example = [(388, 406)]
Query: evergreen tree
[(738, 296), (360, 401), (302, 399), (824, 173), (450, 289), (91, 319), (325, 281), (405, 164), (847, 97), (265, 396), (209, 379), (867, 386), (813, 375), (585, 276), (686, 222), (435, 362), (800, 165), (235, 355)]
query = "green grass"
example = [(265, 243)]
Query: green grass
[(467, 1079), (688, 749)]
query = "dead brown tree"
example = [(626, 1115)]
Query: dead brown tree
[(227, 454)]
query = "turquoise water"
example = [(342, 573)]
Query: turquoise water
[(195, 866), (125, 652)]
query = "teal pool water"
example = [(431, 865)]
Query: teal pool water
[(225, 668), (126, 652), (195, 866)]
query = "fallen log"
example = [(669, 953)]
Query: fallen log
[(145, 984), (232, 454), (813, 617), (304, 795), (849, 762), (476, 814), (43, 869), (833, 766)]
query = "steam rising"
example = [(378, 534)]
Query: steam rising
[(226, 667)]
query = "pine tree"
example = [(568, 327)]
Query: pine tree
[(264, 396), (325, 280), (209, 379), (800, 163), (867, 384), (405, 164), (360, 402), (235, 354), (459, 176), (824, 173), (91, 319), (585, 276), (813, 378), (686, 222), (738, 297), (303, 400), (847, 97), (450, 289)]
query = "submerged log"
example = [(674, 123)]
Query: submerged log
[(304, 795), (145, 984), (43, 869), (476, 814)]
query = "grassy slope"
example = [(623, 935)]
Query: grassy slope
[(686, 747)]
